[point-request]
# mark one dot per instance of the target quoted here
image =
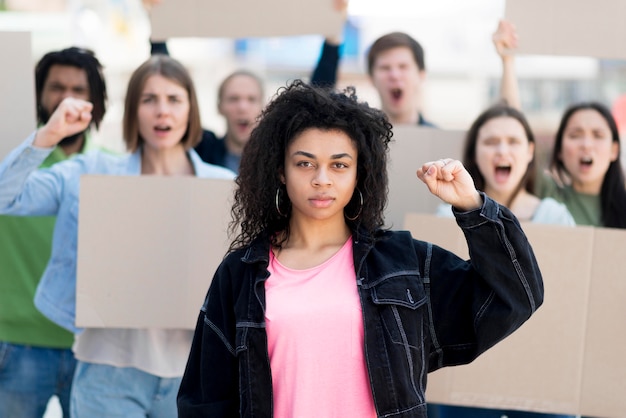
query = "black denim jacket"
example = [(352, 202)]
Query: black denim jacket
[(423, 308)]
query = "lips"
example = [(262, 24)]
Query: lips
[(396, 94), (321, 201), (162, 128), (586, 161), (242, 125), (502, 173)]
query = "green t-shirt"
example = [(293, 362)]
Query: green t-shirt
[(586, 209), (25, 245)]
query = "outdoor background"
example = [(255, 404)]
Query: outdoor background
[(463, 69)]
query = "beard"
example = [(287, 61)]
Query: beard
[(44, 116)]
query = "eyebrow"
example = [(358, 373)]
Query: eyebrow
[(149, 93), (332, 157)]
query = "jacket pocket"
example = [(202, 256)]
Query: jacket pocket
[(400, 300)]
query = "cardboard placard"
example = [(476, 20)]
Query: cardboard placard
[(410, 148), (244, 18), (555, 27), (567, 357), (147, 248), (17, 86)]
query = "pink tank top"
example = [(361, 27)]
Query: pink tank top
[(315, 340)]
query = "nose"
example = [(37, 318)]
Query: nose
[(502, 147), (586, 141), (163, 107), (394, 73), (68, 93), (321, 178)]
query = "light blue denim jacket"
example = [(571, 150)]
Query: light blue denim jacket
[(25, 190)]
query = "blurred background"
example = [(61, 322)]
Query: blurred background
[(462, 65), (463, 69)]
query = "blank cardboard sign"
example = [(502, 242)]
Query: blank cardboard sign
[(17, 90), (147, 248), (567, 357), (244, 18), (565, 27), (410, 148)]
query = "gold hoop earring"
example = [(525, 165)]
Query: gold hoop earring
[(353, 218), (277, 202)]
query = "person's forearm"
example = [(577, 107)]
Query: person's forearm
[(509, 85), (15, 169), (325, 73)]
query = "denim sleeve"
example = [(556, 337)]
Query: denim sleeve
[(325, 73), (209, 387), (25, 190), (479, 302)]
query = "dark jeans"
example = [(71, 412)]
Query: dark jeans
[(448, 411)]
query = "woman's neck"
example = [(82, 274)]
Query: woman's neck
[(590, 188), (166, 162), (523, 204), (500, 197), (308, 234), (311, 243)]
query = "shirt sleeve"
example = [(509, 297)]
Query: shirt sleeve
[(25, 190), (325, 73), (478, 302)]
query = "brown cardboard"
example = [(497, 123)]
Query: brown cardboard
[(244, 18), (566, 27), (410, 148), (147, 248), (605, 365), (17, 90), (567, 358)]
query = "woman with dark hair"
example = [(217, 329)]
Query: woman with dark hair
[(499, 154), (120, 372), (319, 311), (587, 175), (589, 178)]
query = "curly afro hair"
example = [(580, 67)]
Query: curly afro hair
[(294, 109)]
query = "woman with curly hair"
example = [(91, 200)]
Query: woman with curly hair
[(317, 309)]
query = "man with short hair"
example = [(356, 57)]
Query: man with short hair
[(240, 101), (395, 64), (397, 69), (36, 360)]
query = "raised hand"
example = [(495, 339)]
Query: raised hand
[(340, 6), (450, 181), (505, 38), (70, 117)]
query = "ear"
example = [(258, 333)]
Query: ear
[(614, 151), (531, 151), (422, 75), (219, 108)]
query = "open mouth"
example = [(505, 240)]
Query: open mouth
[(162, 128), (503, 172), (586, 161), (242, 124), (396, 94)]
